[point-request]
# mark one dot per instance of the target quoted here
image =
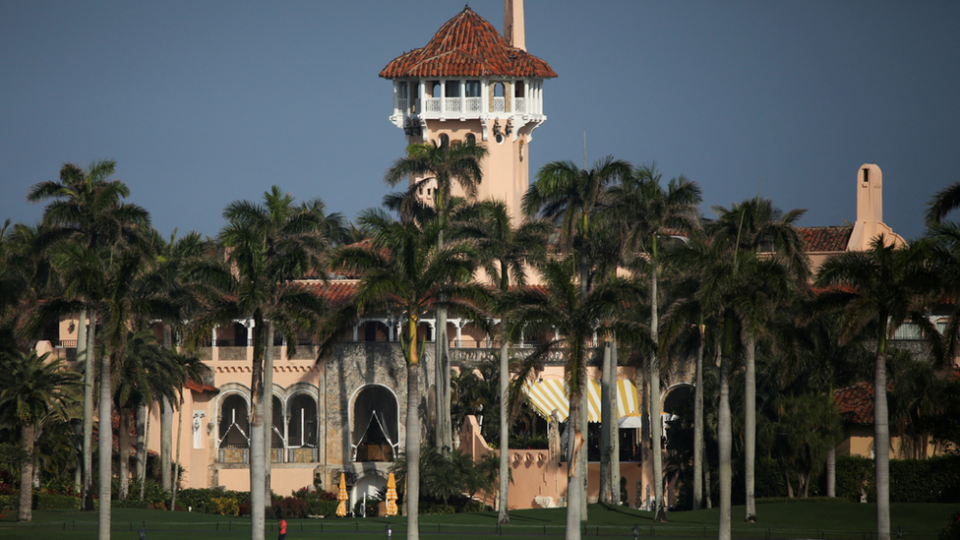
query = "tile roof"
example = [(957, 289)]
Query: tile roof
[(818, 239), (337, 292), (467, 46), (855, 403)]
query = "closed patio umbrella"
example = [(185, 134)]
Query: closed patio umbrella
[(342, 496), (391, 495)]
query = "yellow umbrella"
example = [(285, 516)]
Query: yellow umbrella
[(342, 496), (391, 495)]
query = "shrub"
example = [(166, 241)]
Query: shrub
[(952, 531), (855, 473), (290, 508), (47, 501), (226, 506), (132, 503), (325, 508), (9, 502), (436, 508), (371, 507), (8, 485)]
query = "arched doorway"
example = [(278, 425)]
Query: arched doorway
[(374, 426)]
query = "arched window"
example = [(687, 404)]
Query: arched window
[(471, 139), (276, 434), (375, 433), (302, 422), (234, 430), (498, 89), (434, 87), (444, 140)]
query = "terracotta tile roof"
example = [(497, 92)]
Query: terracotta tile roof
[(818, 239), (201, 386), (855, 403), (337, 292), (467, 46)]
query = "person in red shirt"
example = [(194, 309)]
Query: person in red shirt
[(283, 529)]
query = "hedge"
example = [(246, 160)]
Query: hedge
[(10, 502), (936, 479)]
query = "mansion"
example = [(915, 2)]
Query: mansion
[(344, 412)]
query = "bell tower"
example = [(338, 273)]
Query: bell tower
[(472, 85)]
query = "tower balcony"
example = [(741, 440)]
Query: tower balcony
[(415, 101)]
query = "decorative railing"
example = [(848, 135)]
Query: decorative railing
[(475, 356), (474, 104), (431, 105), (499, 104), (403, 104), (519, 105), (452, 104)]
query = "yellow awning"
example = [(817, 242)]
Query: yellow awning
[(552, 395)]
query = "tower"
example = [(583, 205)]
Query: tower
[(471, 85), (869, 222)]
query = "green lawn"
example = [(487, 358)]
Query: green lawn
[(828, 520)]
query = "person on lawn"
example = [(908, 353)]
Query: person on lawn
[(282, 528)]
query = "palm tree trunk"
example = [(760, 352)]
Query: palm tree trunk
[(750, 423), (257, 509), (27, 441), (141, 425), (176, 466), (659, 511), (698, 429), (166, 444), (89, 379), (143, 455), (268, 410), (708, 488), (584, 463), (440, 335), (832, 472), (166, 425), (504, 478), (105, 448), (412, 443), (881, 441), (615, 426), (123, 452), (725, 439), (606, 495), (574, 486)]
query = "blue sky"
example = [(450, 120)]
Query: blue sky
[(202, 103)]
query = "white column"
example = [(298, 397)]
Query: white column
[(214, 342), (459, 324), (443, 97), (390, 324), (356, 328)]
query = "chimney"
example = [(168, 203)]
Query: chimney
[(513, 23)]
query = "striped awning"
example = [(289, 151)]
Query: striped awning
[(552, 395)]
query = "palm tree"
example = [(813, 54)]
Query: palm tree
[(87, 207), (759, 227), (652, 216), (33, 391), (185, 368), (876, 291), (266, 247), (142, 377), (568, 197), (405, 270), (561, 308), (438, 166), (505, 250)]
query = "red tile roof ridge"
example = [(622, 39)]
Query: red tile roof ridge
[(467, 45)]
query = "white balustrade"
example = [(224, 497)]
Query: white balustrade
[(452, 104), (474, 105), (499, 104), (431, 105), (402, 104), (519, 105)]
